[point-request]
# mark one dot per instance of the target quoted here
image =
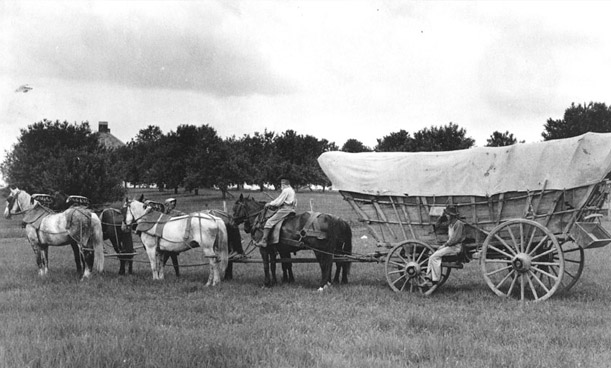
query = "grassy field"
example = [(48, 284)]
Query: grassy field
[(132, 321)]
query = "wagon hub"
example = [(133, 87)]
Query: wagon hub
[(521, 262), (412, 269)]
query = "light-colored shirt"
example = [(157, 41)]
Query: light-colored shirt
[(286, 197)]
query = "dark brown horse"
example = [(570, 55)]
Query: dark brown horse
[(322, 233), (121, 240)]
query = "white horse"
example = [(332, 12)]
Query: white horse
[(76, 226), (160, 232)]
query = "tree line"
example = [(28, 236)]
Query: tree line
[(54, 155)]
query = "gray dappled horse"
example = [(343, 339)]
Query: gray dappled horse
[(112, 221), (77, 226)]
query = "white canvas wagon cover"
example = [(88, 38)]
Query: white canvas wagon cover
[(558, 164)]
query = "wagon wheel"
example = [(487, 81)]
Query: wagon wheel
[(574, 260), (406, 267), (522, 259)]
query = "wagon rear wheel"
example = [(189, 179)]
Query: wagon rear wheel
[(407, 265), (574, 260), (522, 259)]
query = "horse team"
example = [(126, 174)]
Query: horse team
[(215, 233)]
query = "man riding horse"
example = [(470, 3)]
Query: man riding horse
[(285, 204)]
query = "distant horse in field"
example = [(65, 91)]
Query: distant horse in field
[(160, 232), (322, 233), (76, 226), (112, 221)]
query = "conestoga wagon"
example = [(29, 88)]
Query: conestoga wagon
[(530, 210)]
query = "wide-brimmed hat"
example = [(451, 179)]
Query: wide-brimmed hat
[(451, 211)]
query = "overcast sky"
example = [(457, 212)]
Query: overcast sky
[(331, 69)]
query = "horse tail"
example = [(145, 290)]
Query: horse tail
[(221, 247), (97, 238)]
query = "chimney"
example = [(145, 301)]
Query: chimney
[(103, 127)]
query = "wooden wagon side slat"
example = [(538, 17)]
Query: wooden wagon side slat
[(409, 221), (398, 218), (381, 214)]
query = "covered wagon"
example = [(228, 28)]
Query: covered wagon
[(530, 209)]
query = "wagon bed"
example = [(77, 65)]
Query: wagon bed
[(527, 207)]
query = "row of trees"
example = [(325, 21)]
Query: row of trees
[(68, 157)]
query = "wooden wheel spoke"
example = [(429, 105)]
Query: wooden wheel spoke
[(545, 263), (571, 250), (552, 250), (572, 261), (572, 276), (555, 277), (522, 287), (503, 261), (506, 245), (419, 259), (398, 279), (504, 279), (532, 287), (501, 252), (395, 272), (499, 270), (395, 263), (545, 238), (513, 282), (538, 281), (513, 238)]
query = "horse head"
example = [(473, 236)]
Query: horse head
[(17, 202), (134, 210)]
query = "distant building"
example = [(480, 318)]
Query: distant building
[(107, 139)]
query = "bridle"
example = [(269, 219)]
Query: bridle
[(127, 207), (246, 217)]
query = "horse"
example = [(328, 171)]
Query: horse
[(160, 232), (112, 221), (323, 233), (234, 238), (121, 239), (75, 226)]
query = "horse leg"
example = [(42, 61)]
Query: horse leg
[(175, 263), (130, 263), (338, 270), (272, 266), (153, 259), (87, 256), (265, 257), (77, 258), (325, 261), (229, 271)]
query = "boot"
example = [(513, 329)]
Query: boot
[(263, 241)]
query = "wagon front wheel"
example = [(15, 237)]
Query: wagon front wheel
[(522, 259), (407, 266)]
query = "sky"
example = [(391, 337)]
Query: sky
[(332, 69)]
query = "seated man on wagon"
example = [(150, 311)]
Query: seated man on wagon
[(285, 203), (452, 247)]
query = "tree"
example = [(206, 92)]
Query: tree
[(354, 146), (444, 138), (498, 139), (595, 117), (399, 141), (61, 156)]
